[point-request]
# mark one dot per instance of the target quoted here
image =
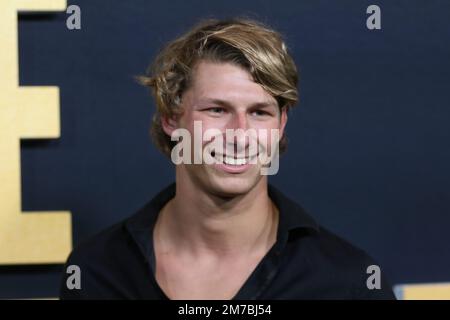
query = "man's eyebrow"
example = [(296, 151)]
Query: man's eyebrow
[(261, 104)]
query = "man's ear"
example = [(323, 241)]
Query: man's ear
[(169, 124)]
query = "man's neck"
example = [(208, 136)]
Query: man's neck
[(200, 223)]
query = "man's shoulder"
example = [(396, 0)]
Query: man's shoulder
[(338, 249), (105, 260), (344, 264), (116, 242), (329, 262), (319, 240), (321, 243), (100, 245), (119, 238)]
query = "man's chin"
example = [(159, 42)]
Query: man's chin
[(232, 186)]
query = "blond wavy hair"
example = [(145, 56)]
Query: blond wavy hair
[(241, 41)]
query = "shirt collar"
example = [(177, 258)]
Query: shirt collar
[(292, 215)]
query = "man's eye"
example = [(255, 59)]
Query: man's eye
[(216, 110), (260, 113)]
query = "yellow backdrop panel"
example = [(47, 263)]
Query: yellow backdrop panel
[(26, 113)]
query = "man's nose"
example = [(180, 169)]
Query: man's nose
[(238, 121), (239, 125)]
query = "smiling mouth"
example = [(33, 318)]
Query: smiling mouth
[(233, 161)]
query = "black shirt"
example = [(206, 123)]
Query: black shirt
[(306, 262)]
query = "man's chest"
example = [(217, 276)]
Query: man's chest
[(199, 280)]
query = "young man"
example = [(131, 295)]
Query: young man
[(221, 231)]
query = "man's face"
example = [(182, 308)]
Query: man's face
[(224, 96)]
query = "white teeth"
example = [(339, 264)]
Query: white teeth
[(234, 162)]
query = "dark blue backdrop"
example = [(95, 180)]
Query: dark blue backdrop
[(369, 142)]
